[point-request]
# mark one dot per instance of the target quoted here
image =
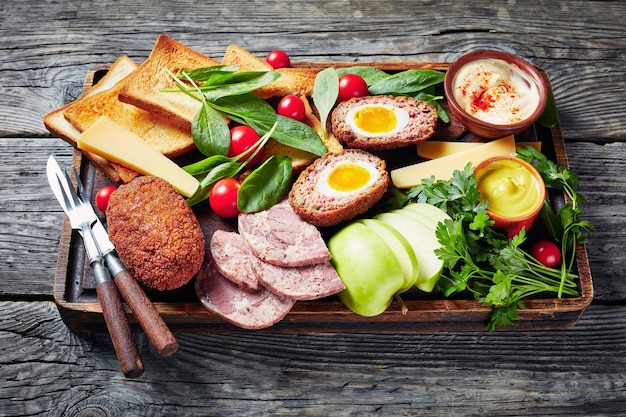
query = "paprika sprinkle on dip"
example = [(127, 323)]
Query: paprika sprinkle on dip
[(495, 91)]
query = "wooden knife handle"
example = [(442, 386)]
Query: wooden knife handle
[(147, 316), (119, 329)]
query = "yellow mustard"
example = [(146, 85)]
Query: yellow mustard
[(511, 189)]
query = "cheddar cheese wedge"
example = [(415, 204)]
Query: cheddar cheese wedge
[(443, 168), (117, 144)]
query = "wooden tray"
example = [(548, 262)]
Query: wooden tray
[(75, 295)]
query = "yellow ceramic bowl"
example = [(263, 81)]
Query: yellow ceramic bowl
[(515, 191)]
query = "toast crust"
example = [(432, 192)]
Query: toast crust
[(171, 140), (143, 88), (58, 125), (298, 81)]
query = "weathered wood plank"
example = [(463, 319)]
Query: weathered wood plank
[(48, 370), (582, 49)]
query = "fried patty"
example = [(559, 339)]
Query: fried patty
[(155, 233)]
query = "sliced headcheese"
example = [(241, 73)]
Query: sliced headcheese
[(443, 168), (433, 149), (117, 144)]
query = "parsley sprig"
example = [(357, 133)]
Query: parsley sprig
[(496, 270), (565, 224)]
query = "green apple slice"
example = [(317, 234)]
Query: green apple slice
[(400, 247), (428, 210), (367, 266), (424, 243)]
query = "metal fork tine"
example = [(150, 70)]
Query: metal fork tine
[(77, 201), (82, 193), (69, 204)]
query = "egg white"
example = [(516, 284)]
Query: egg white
[(402, 119), (323, 187)]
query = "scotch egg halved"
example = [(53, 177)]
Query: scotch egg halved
[(383, 122), (339, 186)]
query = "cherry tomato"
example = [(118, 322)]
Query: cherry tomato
[(243, 138), (223, 197), (291, 106), (102, 197), (278, 59), (546, 252), (351, 85)]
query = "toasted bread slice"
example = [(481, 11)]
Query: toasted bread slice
[(169, 139), (143, 88), (301, 159), (299, 81), (56, 123)]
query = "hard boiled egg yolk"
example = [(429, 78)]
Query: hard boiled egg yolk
[(375, 119), (348, 177)]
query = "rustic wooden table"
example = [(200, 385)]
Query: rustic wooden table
[(45, 369)]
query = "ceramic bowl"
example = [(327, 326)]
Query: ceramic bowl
[(516, 192), (529, 79)]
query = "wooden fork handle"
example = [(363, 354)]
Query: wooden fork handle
[(117, 324), (146, 314)]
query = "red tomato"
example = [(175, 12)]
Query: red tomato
[(243, 138), (278, 59), (102, 197), (223, 197), (351, 85), (546, 252), (291, 106)]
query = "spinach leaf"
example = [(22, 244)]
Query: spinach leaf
[(210, 132), (265, 186), (432, 100), (242, 103), (407, 82), (289, 132), (206, 165), (239, 83), (207, 74), (371, 75), (550, 116), (325, 93)]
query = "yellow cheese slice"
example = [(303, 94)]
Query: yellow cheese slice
[(117, 144), (433, 149), (443, 168)]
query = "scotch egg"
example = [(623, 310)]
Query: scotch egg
[(338, 187), (383, 122)]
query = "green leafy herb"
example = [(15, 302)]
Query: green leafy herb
[(210, 131), (371, 75), (325, 93), (216, 167), (232, 96), (265, 186), (479, 259), (407, 82), (565, 223), (550, 116)]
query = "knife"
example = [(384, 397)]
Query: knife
[(108, 296), (145, 312)]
